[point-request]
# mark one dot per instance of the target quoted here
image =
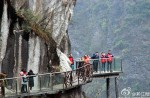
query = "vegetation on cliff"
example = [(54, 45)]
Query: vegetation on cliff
[(32, 22)]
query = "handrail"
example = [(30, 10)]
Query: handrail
[(61, 80), (103, 67), (79, 59), (70, 78), (43, 74)]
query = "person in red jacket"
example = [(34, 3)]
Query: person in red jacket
[(86, 59), (109, 61), (72, 61), (103, 61)]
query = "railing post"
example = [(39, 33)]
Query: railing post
[(100, 64), (64, 80), (91, 72), (107, 88), (71, 78), (3, 88), (28, 88), (51, 81), (116, 87), (40, 83), (121, 65), (16, 87), (99, 69), (84, 74), (76, 64), (114, 64), (78, 75)]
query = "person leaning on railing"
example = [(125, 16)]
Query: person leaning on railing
[(81, 62), (95, 62), (103, 61), (86, 59), (71, 61), (31, 76), (23, 82), (109, 57)]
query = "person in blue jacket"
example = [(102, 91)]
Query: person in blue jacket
[(96, 61)]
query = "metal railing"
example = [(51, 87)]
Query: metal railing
[(48, 82), (99, 67)]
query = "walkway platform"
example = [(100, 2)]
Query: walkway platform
[(57, 89), (48, 83), (53, 83), (106, 74)]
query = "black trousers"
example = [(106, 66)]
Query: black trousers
[(103, 66), (109, 66), (95, 65), (24, 88)]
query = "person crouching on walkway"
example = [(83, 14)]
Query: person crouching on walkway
[(103, 61)]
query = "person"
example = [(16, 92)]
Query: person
[(23, 82), (86, 59), (109, 57), (72, 61), (31, 79), (20, 73), (96, 61), (25, 72), (103, 60), (80, 62), (2, 83)]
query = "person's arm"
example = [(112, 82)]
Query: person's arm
[(34, 75), (93, 56), (106, 56)]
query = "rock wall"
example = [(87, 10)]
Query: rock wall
[(31, 32)]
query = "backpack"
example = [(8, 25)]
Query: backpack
[(24, 79)]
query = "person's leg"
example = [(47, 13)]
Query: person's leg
[(25, 88), (30, 88), (72, 66), (3, 90), (110, 66), (22, 88), (104, 67), (96, 66)]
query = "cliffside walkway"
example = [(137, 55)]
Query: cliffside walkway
[(100, 72), (53, 83)]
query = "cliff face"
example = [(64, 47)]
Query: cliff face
[(33, 34)]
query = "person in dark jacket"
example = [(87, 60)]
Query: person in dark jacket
[(31, 79), (96, 61)]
